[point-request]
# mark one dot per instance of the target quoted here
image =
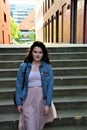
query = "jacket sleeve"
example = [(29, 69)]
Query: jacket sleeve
[(50, 86), (19, 84)]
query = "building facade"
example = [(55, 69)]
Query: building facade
[(4, 22), (23, 14), (20, 9), (64, 21), (27, 25)]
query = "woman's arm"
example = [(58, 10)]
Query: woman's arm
[(50, 86)]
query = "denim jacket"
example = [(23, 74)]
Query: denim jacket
[(46, 80)]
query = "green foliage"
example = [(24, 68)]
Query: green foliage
[(15, 33), (32, 36)]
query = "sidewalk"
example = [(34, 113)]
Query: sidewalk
[(47, 45)]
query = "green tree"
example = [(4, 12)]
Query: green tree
[(32, 36), (14, 29)]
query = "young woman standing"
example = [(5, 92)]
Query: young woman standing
[(34, 102)]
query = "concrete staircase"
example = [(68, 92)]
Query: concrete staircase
[(70, 87)]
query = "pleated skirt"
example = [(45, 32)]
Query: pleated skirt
[(32, 117)]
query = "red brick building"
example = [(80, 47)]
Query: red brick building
[(4, 22), (64, 21), (28, 23), (27, 26)]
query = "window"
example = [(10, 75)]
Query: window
[(52, 1), (43, 8), (73, 21), (45, 5), (52, 29), (4, 1), (48, 30), (48, 4), (85, 23), (3, 36), (5, 17), (57, 26)]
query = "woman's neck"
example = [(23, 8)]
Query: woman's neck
[(36, 63)]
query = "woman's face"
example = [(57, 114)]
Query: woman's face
[(37, 54)]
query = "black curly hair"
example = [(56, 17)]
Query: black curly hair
[(29, 57)]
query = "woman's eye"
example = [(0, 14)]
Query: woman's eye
[(35, 52), (40, 52)]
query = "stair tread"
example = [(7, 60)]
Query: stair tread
[(12, 69), (9, 117), (69, 60), (66, 128), (63, 53), (76, 114), (55, 77), (84, 87), (10, 61), (8, 79), (69, 68), (72, 99), (9, 89), (6, 54), (56, 60), (54, 68), (72, 52), (70, 87), (61, 99), (6, 102), (71, 77)]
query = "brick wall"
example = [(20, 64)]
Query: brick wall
[(4, 22), (69, 29)]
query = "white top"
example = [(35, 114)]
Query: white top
[(34, 79)]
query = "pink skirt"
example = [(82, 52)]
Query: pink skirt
[(32, 117)]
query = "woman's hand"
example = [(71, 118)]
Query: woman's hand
[(19, 108), (46, 110)]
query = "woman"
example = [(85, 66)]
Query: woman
[(34, 102)]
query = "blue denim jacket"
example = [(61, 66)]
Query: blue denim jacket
[(46, 80)]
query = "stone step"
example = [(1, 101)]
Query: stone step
[(7, 93), (70, 102), (70, 80), (68, 56), (13, 50), (10, 64), (67, 49), (75, 127), (8, 73), (69, 120), (21, 56), (69, 63), (7, 106), (9, 121), (63, 71), (54, 63), (70, 87), (59, 48), (59, 80), (70, 90), (61, 103), (57, 71), (7, 82), (11, 56)]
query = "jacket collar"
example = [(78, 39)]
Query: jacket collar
[(30, 63)]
